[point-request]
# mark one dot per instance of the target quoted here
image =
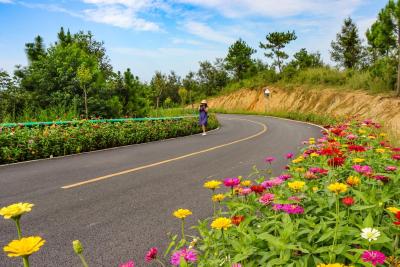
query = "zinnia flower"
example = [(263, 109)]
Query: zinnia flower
[(269, 159), (189, 255), (296, 185), (382, 178), (398, 218), (289, 155), (127, 264), (396, 157), (24, 246), (364, 169), (15, 210), (289, 208), (391, 168), (236, 265), (393, 209), (331, 265), (237, 219), (298, 159), (358, 160), (231, 182), (348, 201), (374, 257), (151, 254), (336, 161), (182, 213), (246, 183), (370, 234), (214, 184), (356, 148), (258, 189), (221, 223), (380, 150), (218, 197), (353, 180), (337, 188), (266, 199), (272, 182)]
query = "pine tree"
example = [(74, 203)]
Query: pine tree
[(347, 50), (239, 59)]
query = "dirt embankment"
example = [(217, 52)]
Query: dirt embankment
[(326, 102)]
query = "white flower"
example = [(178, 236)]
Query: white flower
[(370, 234)]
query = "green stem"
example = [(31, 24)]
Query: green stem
[(183, 229), (84, 264), (336, 229), (395, 244), (26, 261), (214, 207), (18, 228), (160, 262)]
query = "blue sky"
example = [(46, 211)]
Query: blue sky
[(151, 35)]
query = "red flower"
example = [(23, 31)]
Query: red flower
[(237, 219), (258, 189), (330, 151), (396, 157), (151, 254), (398, 215), (356, 148), (348, 201), (336, 161)]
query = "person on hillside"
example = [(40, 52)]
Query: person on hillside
[(203, 110)]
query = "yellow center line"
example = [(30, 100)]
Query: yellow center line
[(93, 180)]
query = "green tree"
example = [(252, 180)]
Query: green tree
[(158, 84), (35, 50), (85, 77), (191, 85), (384, 34), (183, 94), (211, 78), (239, 59), (276, 42), (347, 50), (303, 60)]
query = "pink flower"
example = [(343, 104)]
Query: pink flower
[(151, 254), (231, 182), (391, 168), (244, 191), (289, 208), (236, 265), (188, 255), (127, 264), (294, 198), (266, 199), (364, 169), (285, 177), (373, 256), (269, 159), (396, 157), (271, 183), (351, 137), (289, 155)]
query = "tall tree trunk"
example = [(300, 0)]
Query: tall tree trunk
[(157, 102), (86, 107)]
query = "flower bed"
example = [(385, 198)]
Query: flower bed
[(27, 143)]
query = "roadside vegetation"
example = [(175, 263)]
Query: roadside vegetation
[(73, 77), (27, 143)]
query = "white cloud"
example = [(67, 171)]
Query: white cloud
[(122, 13), (272, 8), (206, 32), (6, 1)]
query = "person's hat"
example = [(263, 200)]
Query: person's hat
[(203, 102)]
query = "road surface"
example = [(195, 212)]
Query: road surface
[(118, 202)]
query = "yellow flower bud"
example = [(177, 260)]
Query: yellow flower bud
[(77, 245)]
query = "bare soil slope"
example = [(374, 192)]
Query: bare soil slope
[(327, 102)]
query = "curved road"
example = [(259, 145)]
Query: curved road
[(118, 202)]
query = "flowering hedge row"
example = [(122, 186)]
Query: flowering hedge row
[(23, 143)]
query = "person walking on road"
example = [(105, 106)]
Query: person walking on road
[(203, 110)]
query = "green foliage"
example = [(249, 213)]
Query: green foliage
[(239, 59), (276, 42), (23, 143), (347, 50)]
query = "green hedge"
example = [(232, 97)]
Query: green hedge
[(28, 143)]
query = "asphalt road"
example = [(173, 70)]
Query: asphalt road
[(119, 217)]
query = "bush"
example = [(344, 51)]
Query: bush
[(23, 143)]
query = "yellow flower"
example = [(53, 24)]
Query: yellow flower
[(380, 150), (371, 137), (337, 187), (358, 160), (353, 180), (383, 134), (77, 246), (299, 170), (298, 159), (24, 246), (311, 141), (313, 155), (214, 184), (296, 185), (315, 189), (393, 209), (221, 223), (182, 213), (218, 197), (246, 183), (361, 131), (15, 210)]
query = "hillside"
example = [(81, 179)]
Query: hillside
[(326, 102)]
